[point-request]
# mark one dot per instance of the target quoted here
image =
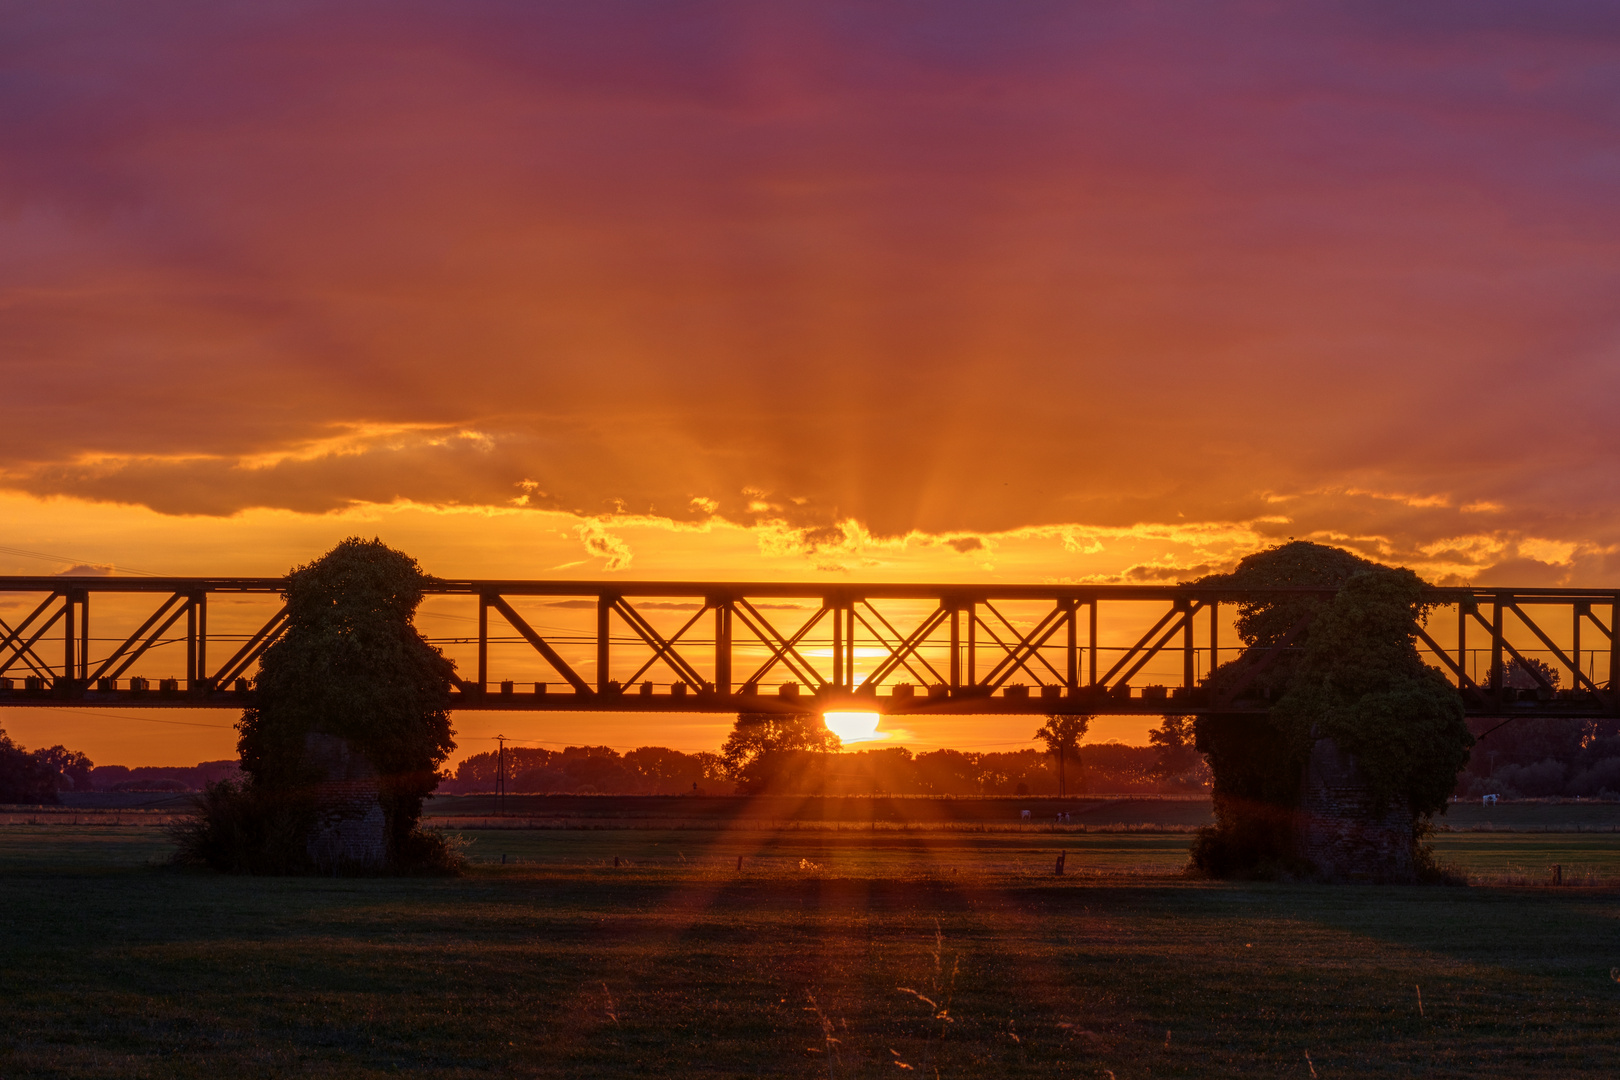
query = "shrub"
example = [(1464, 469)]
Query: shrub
[(243, 828)]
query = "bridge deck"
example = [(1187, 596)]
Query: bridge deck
[(666, 647)]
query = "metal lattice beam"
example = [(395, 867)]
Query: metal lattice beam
[(895, 648)]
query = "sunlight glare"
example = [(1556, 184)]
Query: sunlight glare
[(853, 727)]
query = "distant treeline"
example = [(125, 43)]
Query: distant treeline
[(38, 776), (163, 777), (650, 770), (1525, 758), (35, 776), (653, 770), (1530, 758)]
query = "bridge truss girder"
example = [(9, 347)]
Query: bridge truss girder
[(957, 649)]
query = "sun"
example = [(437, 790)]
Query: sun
[(853, 727)]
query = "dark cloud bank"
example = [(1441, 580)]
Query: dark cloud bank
[(939, 267)]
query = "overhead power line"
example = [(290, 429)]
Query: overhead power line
[(47, 557)]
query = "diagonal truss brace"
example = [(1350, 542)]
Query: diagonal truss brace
[(1464, 680), (905, 647), (237, 665), (663, 649), (146, 636), (1580, 677), (1141, 644), (1499, 639), (783, 650), (1026, 647), (540, 645), (24, 650), (1178, 626)]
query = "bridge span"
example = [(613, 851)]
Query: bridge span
[(623, 646)]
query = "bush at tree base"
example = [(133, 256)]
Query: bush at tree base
[(243, 828), (351, 665), (1356, 679)]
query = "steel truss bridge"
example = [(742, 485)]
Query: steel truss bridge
[(763, 647)]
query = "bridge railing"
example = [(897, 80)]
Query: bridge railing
[(764, 646)]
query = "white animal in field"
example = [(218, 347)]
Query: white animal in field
[(1023, 815)]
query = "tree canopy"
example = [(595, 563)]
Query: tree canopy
[(1362, 684), (350, 665), (26, 777), (759, 743), (1062, 735), (1353, 675)]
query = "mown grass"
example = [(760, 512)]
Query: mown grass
[(674, 963)]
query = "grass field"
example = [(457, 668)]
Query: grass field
[(814, 960)]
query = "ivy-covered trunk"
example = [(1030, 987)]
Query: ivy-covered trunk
[(347, 733), (1363, 741)]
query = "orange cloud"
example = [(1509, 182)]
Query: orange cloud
[(838, 275)]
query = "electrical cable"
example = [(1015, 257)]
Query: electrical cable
[(26, 554), (147, 719)]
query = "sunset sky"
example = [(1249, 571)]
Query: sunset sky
[(1004, 292)]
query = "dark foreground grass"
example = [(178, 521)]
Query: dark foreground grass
[(676, 964)]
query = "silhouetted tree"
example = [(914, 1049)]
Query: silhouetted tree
[(1521, 674), (350, 665), (1362, 684), (71, 767), (755, 750), (24, 778), (1353, 676), (1062, 735), (1177, 755)]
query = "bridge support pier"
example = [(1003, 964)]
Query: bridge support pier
[(1342, 832)]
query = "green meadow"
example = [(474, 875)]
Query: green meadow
[(842, 951)]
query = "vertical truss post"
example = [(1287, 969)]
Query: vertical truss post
[(1614, 653), (191, 642), (70, 638), (838, 646), (1575, 646), (849, 647), (722, 645), (1462, 637), (1091, 644), (1188, 663), (1072, 650), (956, 646), (199, 678), (483, 641), (84, 639), (972, 644), (1214, 635), (1498, 605), (604, 608)]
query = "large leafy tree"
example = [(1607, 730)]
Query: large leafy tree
[(351, 664), (1175, 753), (70, 767), (761, 744), (25, 777), (1362, 684), (1354, 675), (1062, 735)]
